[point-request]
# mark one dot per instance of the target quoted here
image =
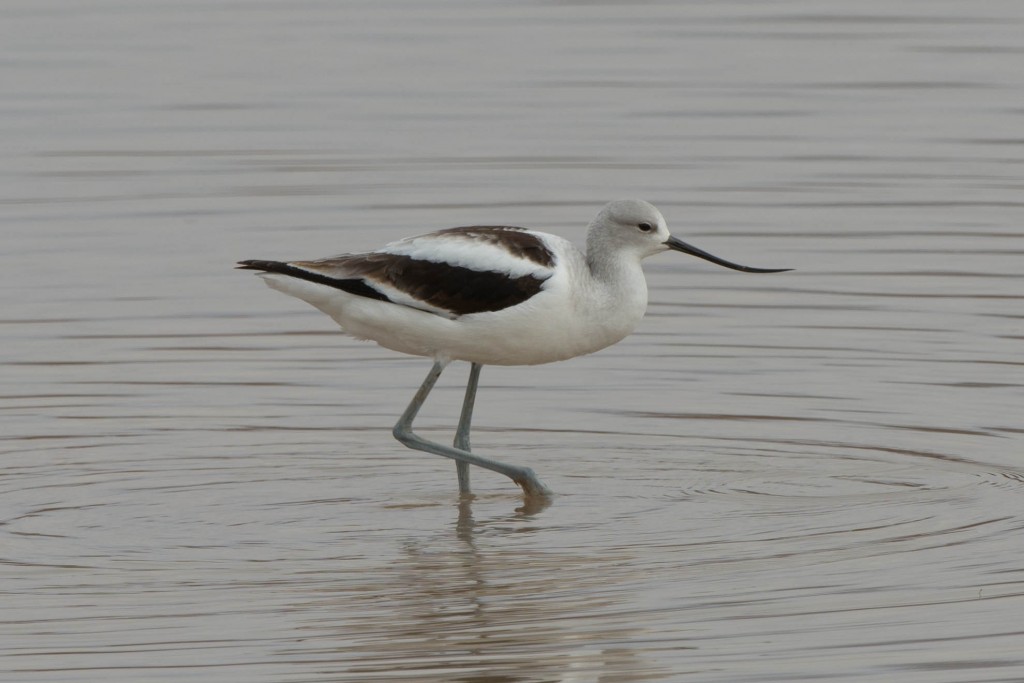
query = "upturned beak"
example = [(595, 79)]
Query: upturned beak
[(679, 245)]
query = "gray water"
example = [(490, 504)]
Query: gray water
[(816, 475)]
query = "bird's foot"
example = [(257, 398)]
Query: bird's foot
[(531, 485)]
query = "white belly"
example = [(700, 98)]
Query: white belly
[(549, 327)]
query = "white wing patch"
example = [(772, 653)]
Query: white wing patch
[(461, 249)]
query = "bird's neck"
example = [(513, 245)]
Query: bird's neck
[(618, 279)]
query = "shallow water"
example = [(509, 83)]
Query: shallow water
[(817, 475)]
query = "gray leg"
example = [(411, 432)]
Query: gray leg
[(462, 433), (524, 476)]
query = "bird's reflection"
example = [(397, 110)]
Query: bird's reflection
[(486, 606), (465, 524), (490, 603)]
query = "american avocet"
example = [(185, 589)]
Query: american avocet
[(489, 295)]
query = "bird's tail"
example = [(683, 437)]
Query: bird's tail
[(265, 266)]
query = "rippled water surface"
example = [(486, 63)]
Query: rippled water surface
[(816, 475)]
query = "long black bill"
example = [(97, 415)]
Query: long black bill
[(679, 245)]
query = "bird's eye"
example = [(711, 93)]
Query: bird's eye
[(645, 227)]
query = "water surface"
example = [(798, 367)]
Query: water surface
[(815, 475)]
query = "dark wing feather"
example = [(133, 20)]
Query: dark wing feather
[(436, 287)]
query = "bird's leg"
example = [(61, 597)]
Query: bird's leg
[(524, 476), (462, 433)]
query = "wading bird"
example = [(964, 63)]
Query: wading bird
[(490, 295)]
